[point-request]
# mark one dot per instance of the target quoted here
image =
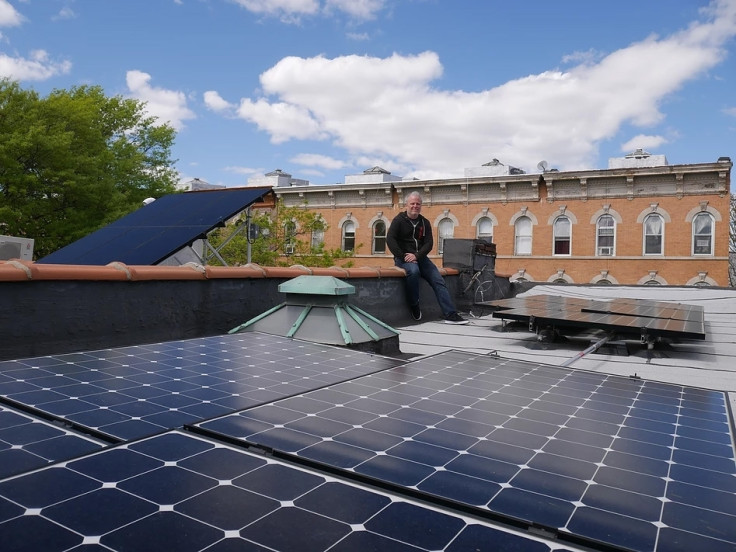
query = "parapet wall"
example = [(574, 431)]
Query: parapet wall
[(46, 308)]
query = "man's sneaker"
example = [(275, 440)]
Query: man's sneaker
[(455, 318), (416, 312)]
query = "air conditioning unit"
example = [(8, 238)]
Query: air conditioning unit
[(16, 248), (289, 249), (605, 251)]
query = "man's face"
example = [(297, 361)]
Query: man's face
[(413, 207)]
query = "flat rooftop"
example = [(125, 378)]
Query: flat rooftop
[(486, 436)]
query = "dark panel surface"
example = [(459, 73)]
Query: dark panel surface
[(27, 442), (587, 455), (133, 392), (155, 231), (629, 316), (177, 491)]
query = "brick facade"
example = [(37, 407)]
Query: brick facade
[(676, 193)]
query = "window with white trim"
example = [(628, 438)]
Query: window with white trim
[(523, 236), (703, 234), (348, 235), (562, 235), (484, 228), (605, 236), (446, 231), (379, 237), (653, 234)]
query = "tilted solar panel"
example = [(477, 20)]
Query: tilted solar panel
[(156, 231)]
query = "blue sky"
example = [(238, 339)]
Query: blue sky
[(423, 88)]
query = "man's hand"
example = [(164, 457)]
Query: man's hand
[(410, 258)]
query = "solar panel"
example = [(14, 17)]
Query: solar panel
[(177, 491), (156, 231), (28, 442), (132, 392), (627, 316), (588, 457)]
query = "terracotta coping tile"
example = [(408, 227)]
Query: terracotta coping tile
[(246, 271), (17, 270), (284, 271), (75, 272), (183, 272), (14, 271)]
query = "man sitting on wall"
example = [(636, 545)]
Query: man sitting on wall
[(410, 240)]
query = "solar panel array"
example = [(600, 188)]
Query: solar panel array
[(632, 464), (180, 492), (260, 442), (132, 392), (628, 316)]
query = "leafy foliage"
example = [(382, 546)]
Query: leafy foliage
[(76, 160), (283, 238)]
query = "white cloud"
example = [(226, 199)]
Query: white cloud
[(730, 111), (318, 160), (287, 10), (170, 106), (290, 11), (643, 141), (358, 9), (9, 16), (37, 67), (282, 120), (387, 107), (65, 13), (215, 102), (244, 170)]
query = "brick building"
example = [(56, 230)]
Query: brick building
[(641, 221)]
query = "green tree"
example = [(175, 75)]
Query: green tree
[(283, 238), (76, 160)]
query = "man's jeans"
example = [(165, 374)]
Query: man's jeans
[(426, 269)]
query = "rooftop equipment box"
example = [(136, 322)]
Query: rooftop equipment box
[(16, 248), (469, 254)]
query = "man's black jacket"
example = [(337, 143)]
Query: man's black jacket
[(409, 236)]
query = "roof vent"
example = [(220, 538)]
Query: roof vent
[(316, 310)]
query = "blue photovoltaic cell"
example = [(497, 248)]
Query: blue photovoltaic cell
[(132, 392), (629, 463), (177, 491), (156, 231), (27, 442)]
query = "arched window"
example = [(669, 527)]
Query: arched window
[(562, 231), (605, 236), (379, 237), (446, 230), (703, 234), (653, 234), (318, 236), (523, 236), (484, 228), (289, 238), (348, 235)]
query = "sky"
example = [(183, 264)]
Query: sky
[(424, 89)]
